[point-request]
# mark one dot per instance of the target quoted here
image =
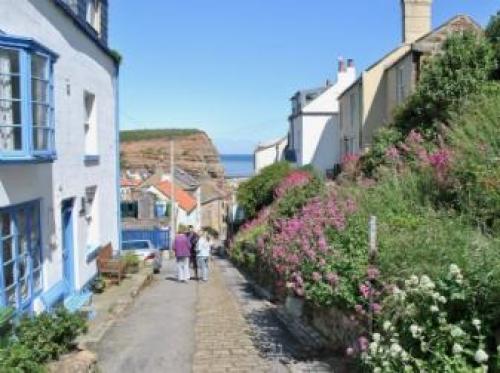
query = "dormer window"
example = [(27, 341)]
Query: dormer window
[(26, 100), (94, 14)]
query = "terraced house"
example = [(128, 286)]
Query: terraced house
[(58, 150)]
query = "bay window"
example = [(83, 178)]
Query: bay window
[(26, 100)]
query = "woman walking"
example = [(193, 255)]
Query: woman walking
[(203, 254), (182, 250)]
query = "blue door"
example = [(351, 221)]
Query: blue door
[(68, 244)]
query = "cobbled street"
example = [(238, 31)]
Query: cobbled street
[(218, 326)]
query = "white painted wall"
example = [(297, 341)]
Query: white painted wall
[(317, 128), (82, 66), (268, 153)]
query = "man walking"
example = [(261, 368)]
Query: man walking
[(182, 250), (193, 241)]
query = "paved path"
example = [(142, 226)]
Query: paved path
[(219, 326), (157, 333)]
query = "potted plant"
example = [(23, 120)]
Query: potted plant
[(131, 262), (98, 285)]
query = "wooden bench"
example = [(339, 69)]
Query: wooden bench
[(113, 267)]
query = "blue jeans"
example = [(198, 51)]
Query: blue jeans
[(203, 267)]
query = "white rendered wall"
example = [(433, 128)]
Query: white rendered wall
[(266, 156), (81, 66)]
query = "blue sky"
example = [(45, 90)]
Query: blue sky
[(229, 67)]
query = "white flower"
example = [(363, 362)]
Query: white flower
[(459, 278), (404, 356), (415, 330), (413, 280), (387, 325), (373, 347), (426, 282), (457, 348), (454, 270), (476, 323), (456, 332), (395, 350), (376, 337), (434, 308), (424, 346), (377, 370), (481, 356)]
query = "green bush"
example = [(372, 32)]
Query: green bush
[(258, 191), (384, 138), (288, 205), (467, 61), (18, 358), (493, 34), (49, 335), (475, 142)]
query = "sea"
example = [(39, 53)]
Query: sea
[(237, 165)]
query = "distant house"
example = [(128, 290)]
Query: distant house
[(268, 153), (186, 210), (213, 208), (127, 188), (58, 150), (369, 103), (314, 134)]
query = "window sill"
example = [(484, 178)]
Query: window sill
[(91, 159), (29, 159)]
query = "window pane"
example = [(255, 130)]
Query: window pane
[(8, 274), (10, 295), (36, 259), (7, 249), (5, 224), (41, 138), (39, 90), (40, 115), (10, 87), (38, 66), (25, 290), (22, 266), (37, 280), (10, 138), (35, 227), (9, 61), (10, 112)]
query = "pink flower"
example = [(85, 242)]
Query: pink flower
[(376, 308), (365, 291), (372, 272), (392, 153), (322, 262), (316, 276), (414, 137), (359, 309), (363, 343), (295, 179), (332, 278)]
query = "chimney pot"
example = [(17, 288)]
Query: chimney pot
[(341, 64), (350, 62)]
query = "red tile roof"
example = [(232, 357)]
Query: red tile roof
[(184, 199), (130, 183)]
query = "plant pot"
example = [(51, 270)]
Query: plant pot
[(294, 306)]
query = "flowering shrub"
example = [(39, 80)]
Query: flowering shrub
[(417, 333), (295, 179)]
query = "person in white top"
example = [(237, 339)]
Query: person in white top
[(203, 254)]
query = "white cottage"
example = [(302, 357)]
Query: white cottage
[(59, 175), (314, 135), (268, 153)]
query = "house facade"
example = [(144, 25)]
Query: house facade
[(314, 134), (268, 153), (58, 149), (369, 103)]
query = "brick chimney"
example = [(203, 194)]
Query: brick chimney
[(417, 19)]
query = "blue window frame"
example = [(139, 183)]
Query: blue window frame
[(20, 255), (26, 100)]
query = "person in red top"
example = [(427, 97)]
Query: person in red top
[(182, 250)]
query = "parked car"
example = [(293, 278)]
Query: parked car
[(146, 251)]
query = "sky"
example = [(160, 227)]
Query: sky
[(229, 67)]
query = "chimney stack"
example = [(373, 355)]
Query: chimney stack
[(417, 19), (350, 63), (341, 65)]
